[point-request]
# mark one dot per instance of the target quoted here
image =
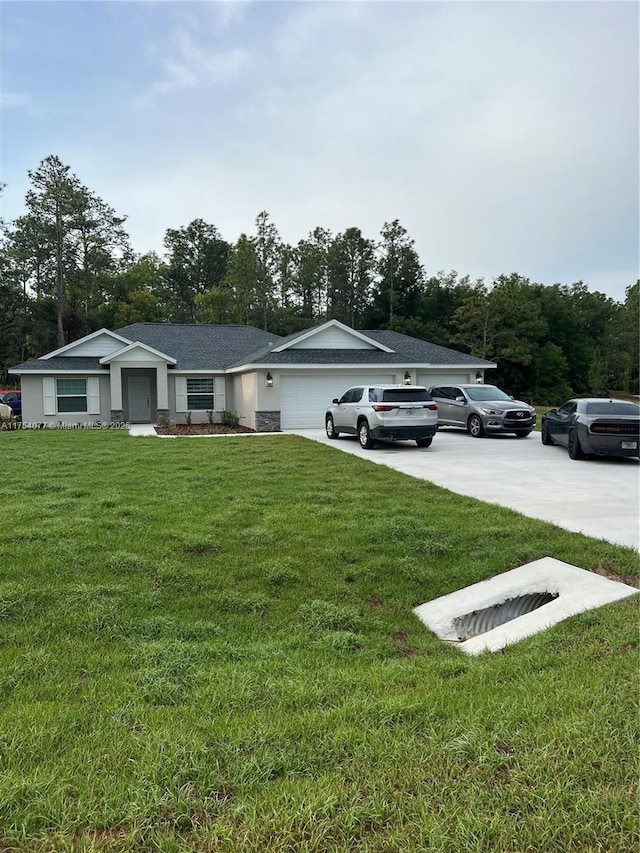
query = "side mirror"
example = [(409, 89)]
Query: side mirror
[(335, 401), (460, 400), (552, 412)]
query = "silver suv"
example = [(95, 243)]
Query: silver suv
[(385, 412), (482, 409)]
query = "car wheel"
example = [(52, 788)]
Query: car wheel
[(546, 438), (475, 426), (424, 442), (523, 433), (364, 436), (574, 447), (332, 432)]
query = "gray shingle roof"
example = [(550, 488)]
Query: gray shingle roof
[(219, 347), (417, 350), (406, 350), (365, 356), (201, 347), (61, 362)]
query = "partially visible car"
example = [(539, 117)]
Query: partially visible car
[(13, 399), (384, 413), (482, 409), (594, 425)]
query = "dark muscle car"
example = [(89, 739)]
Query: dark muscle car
[(594, 425)]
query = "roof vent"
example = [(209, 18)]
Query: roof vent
[(516, 604)]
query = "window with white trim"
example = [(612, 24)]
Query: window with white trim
[(200, 394), (71, 395)]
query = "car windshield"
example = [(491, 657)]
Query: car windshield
[(405, 395), (612, 407), (486, 392)]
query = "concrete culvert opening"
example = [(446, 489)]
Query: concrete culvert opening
[(480, 621), (508, 607)]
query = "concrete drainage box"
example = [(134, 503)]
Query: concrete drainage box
[(495, 613)]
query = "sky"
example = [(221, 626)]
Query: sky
[(504, 136)]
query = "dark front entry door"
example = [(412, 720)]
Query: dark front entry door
[(139, 397)]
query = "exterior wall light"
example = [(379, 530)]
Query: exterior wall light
[(407, 378), (269, 380)]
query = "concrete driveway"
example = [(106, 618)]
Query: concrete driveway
[(598, 497)]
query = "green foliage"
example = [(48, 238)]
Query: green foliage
[(242, 279), (197, 261), (550, 375), (351, 270), (312, 270), (230, 419), (400, 277), (66, 269)]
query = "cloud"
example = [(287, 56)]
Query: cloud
[(188, 65), (230, 13), (15, 101), (504, 136)]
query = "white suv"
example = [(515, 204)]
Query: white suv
[(385, 412)]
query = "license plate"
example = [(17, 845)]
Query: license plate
[(629, 445)]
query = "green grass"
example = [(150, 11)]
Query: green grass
[(541, 410), (208, 645)]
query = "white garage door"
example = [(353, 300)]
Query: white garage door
[(304, 399), (430, 379)]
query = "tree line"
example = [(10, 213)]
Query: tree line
[(67, 268)]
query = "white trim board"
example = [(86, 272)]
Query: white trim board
[(577, 590)]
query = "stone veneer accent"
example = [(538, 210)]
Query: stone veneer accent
[(162, 415), (267, 421), (117, 416)]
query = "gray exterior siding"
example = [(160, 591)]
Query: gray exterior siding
[(33, 403)]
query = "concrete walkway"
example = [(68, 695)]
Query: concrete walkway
[(598, 497), (141, 430)]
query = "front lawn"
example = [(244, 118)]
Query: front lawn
[(209, 646)]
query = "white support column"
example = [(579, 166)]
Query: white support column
[(162, 387), (115, 380)]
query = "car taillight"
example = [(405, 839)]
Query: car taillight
[(379, 408), (433, 407)]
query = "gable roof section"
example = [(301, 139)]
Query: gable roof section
[(90, 345), (341, 334), (131, 348), (201, 347), (395, 349)]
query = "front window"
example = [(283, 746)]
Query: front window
[(200, 394), (72, 395), (486, 392)]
